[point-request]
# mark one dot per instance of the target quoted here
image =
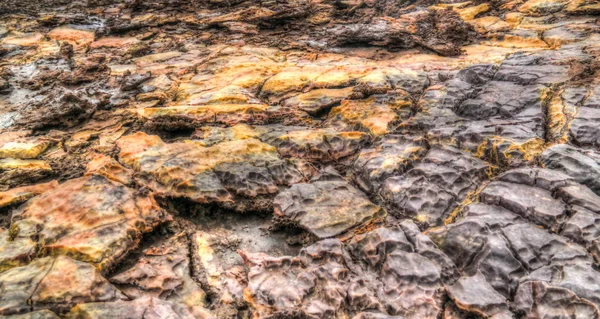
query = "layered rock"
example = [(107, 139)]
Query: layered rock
[(316, 145), (223, 173), (92, 218), (53, 283)]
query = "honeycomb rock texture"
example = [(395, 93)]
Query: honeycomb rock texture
[(299, 159)]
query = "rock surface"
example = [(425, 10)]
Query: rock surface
[(326, 159)]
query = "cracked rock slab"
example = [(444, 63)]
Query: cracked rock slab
[(164, 272), (219, 173), (90, 218), (389, 156), (141, 308), (325, 207), (475, 295), (53, 283), (434, 187), (582, 166), (394, 270)]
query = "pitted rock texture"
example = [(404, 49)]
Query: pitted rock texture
[(391, 270), (435, 186), (300, 159)]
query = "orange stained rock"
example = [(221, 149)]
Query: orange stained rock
[(91, 218), (470, 13), (519, 42), (166, 62), (542, 7), (504, 151), (230, 114), (248, 72), (315, 101), (21, 194), (187, 169), (340, 76), (513, 18), (52, 283), (77, 38), (583, 6), (201, 111), (320, 144), (212, 134), (231, 94), (25, 40), (490, 24), (109, 168), (291, 80), (114, 42), (374, 117)]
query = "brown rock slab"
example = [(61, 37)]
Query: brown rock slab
[(14, 172), (474, 294), (91, 218), (21, 194), (325, 207), (52, 283), (366, 115), (163, 272), (141, 308), (215, 174)]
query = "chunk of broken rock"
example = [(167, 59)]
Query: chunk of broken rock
[(325, 207), (55, 283), (21, 194), (90, 218), (222, 173)]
